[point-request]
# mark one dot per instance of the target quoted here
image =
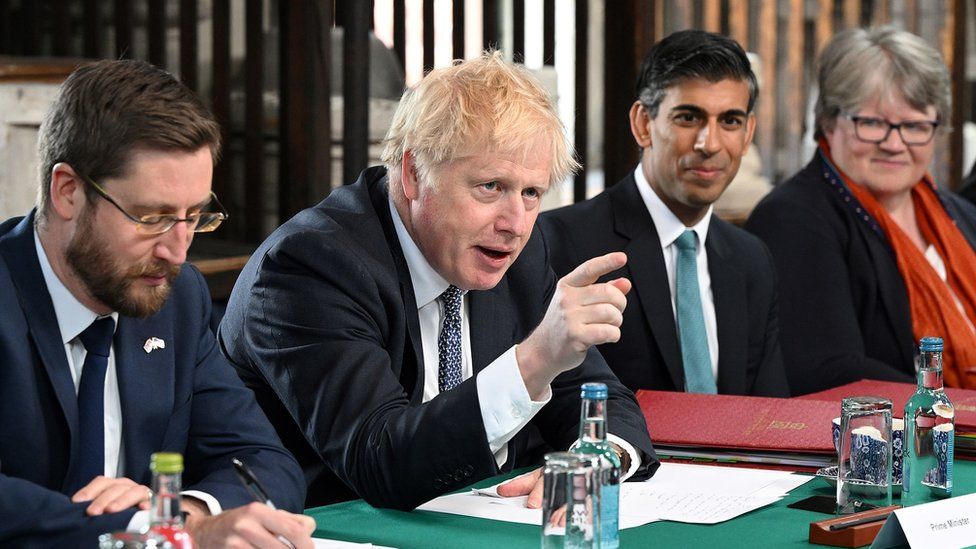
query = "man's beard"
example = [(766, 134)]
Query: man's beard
[(114, 284)]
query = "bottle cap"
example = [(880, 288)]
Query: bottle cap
[(593, 390), (166, 462), (930, 344)]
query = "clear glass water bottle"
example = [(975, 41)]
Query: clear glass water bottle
[(593, 441), (929, 430), (166, 521)]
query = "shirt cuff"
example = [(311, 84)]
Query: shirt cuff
[(635, 456), (505, 403), (140, 521)]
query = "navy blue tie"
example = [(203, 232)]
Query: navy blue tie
[(691, 321), (97, 339), (449, 341)]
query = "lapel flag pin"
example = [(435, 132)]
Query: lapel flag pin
[(152, 344)]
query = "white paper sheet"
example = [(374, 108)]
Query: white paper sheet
[(320, 543), (679, 492)]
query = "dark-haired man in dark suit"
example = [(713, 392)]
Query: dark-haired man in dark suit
[(702, 314)]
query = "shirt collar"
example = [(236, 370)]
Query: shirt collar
[(668, 226), (73, 317), (428, 285)]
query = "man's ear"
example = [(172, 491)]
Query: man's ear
[(408, 176), (67, 191), (640, 124), (750, 131)]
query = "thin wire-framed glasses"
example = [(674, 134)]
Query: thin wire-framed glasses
[(876, 130), (198, 222)]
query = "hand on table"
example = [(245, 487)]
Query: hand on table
[(530, 483), (253, 525), (111, 495)]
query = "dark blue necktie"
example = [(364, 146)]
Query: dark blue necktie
[(691, 321), (449, 341), (97, 339)]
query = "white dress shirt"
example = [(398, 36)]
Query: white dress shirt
[(669, 228), (73, 318), (506, 406)]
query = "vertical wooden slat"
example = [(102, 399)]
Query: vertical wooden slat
[(400, 32), (739, 23), (659, 19), (712, 15), (882, 13), (794, 88), (6, 32), (93, 35), (188, 43), (29, 33), (305, 105), (490, 28), (518, 30), (355, 90), (220, 98), (825, 23), (428, 35), (852, 13), (767, 102), (156, 30), (123, 28), (549, 32), (457, 29), (911, 16), (581, 97), (253, 121), (62, 27), (956, 27)]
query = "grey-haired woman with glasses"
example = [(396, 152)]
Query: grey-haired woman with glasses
[(871, 254)]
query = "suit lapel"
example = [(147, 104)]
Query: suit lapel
[(731, 306), (146, 385), (645, 262), (20, 256)]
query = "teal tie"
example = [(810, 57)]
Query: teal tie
[(691, 321)]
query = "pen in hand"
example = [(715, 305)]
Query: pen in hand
[(257, 491)]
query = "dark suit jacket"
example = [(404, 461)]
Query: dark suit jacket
[(844, 306), (323, 325), (648, 355), (183, 398)]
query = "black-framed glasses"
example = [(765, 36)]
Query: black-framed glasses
[(876, 130), (198, 222)]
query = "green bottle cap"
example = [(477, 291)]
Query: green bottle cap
[(167, 463)]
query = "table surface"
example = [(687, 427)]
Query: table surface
[(771, 526)]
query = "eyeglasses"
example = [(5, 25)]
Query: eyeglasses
[(198, 222), (877, 130)]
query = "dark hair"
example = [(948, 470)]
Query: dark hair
[(692, 54), (107, 110)]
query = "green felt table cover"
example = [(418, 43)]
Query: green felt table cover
[(771, 526)]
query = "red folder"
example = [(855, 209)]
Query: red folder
[(739, 422), (963, 400)]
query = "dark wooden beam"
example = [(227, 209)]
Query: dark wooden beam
[(254, 149), (428, 35), (400, 32), (490, 26), (457, 30), (549, 32), (581, 97), (188, 43), (960, 14), (355, 91), (123, 28), (93, 34), (305, 104), (220, 101), (518, 30), (156, 31), (62, 27)]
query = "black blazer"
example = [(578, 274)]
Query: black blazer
[(323, 325), (181, 398), (648, 355), (844, 310)]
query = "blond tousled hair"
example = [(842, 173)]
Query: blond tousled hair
[(474, 105)]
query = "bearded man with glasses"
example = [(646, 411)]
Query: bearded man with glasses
[(872, 255), (106, 355)]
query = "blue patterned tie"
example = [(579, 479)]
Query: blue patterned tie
[(691, 321), (449, 341), (97, 339)]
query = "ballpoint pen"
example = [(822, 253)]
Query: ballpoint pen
[(858, 521), (250, 482)]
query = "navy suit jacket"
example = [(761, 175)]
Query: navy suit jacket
[(182, 398), (648, 355), (845, 312), (323, 325)]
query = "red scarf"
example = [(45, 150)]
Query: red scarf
[(933, 302)]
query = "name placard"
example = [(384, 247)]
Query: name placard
[(946, 523)]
